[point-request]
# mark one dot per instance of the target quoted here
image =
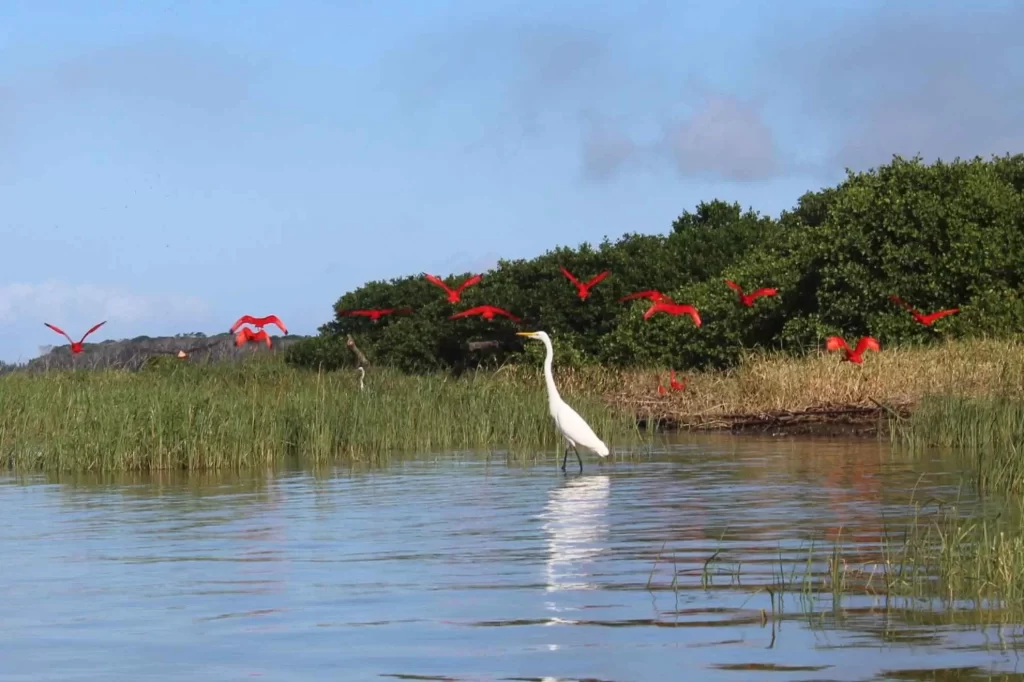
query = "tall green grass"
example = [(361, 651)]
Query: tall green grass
[(984, 435), (186, 416)]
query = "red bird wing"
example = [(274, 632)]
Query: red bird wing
[(475, 279), (91, 330), (597, 278), (466, 313), (865, 343), (763, 291), (506, 313), (244, 319), (434, 279), (692, 312), (901, 303), (273, 319), (928, 319), (656, 308), (836, 343), (650, 294), (59, 331), (735, 287), (569, 275)]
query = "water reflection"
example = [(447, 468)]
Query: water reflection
[(461, 569), (575, 522)]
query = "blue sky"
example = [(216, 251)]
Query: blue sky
[(171, 165)]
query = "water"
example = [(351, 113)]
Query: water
[(460, 568)]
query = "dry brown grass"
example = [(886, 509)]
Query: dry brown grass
[(770, 384)]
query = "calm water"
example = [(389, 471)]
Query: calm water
[(456, 568)]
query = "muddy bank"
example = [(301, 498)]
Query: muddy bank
[(850, 420)]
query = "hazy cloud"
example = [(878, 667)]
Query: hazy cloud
[(55, 301), (167, 69), (606, 151), (944, 83), (724, 137)]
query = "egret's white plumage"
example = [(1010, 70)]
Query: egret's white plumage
[(362, 373), (570, 424)]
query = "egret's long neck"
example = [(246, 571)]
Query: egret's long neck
[(549, 377)]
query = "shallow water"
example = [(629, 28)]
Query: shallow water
[(460, 568)]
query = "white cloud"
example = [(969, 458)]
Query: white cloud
[(54, 301)]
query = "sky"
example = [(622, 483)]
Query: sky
[(171, 165)]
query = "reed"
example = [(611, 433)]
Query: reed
[(183, 416), (959, 563), (982, 435)]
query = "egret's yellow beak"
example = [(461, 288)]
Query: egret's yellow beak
[(525, 333)]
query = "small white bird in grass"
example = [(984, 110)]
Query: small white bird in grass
[(567, 421), (362, 373)]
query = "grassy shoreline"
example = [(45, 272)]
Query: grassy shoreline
[(239, 415)]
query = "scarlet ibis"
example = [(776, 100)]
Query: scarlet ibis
[(677, 386), (76, 346), (485, 311), (673, 309), (259, 322), (375, 313), (926, 320), (856, 355), (652, 295), (247, 335), (583, 289), (454, 295), (748, 299)]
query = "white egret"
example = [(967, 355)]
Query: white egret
[(567, 421), (362, 373)]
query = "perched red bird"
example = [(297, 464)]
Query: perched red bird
[(485, 311), (927, 320), (748, 299), (673, 309), (375, 313), (677, 386), (247, 335), (583, 289), (259, 322), (454, 295), (855, 355), (652, 295), (76, 346)]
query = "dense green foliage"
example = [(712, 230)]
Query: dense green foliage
[(942, 235)]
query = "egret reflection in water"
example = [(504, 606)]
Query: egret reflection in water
[(576, 525)]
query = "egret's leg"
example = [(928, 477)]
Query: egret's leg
[(578, 459), (565, 457)]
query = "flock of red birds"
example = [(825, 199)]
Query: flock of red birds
[(242, 334), (660, 303)]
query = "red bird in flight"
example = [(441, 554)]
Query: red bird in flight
[(748, 299), (673, 309), (454, 295), (485, 311), (374, 314), (76, 346), (855, 355), (652, 295), (583, 290), (259, 322), (247, 335), (926, 320)]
